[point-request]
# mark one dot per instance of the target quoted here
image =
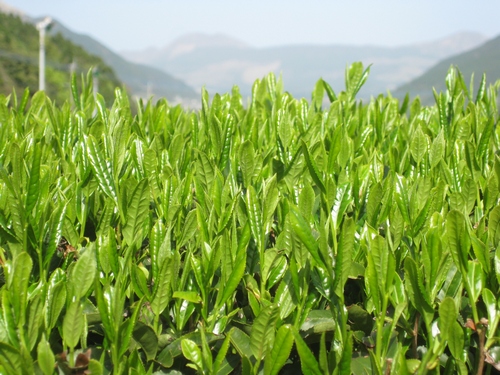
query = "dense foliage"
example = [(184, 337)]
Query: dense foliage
[(19, 46), (282, 236)]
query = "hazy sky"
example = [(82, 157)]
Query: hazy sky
[(136, 24)]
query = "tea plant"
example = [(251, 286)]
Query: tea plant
[(284, 236)]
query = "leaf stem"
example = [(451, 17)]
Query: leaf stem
[(481, 354)]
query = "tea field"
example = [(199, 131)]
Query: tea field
[(278, 236)]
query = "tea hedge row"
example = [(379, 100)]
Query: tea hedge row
[(285, 235)]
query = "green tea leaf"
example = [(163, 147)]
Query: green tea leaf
[(490, 303), (241, 342), (308, 363), (247, 162), (313, 169), (11, 360), (475, 277), (95, 367), (303, 231), (255, 216), (447, 316), (55, 298), (456, 340), (73, 324), (126, 329), (161, 295), (137, 214), (45, 357), (457, 239), (34, 319), (234, 278), (329, 91), (306, 202), (101, 168), (262, 336), (82, 275), (280, 352), (341, 202), (416, 292), (54, 232), (139, 281), (174, 349), (494, 227), (419, 145), (318, 94), (189, 228), (318, 321), (343, 259), (146, 337), (221, 354), (192, 353), (355, 77), (193, 297), (34, 181), (482, 89), (380, 271), (345, 361), (437, 150), (18, 282)]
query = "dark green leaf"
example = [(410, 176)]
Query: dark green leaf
[(313, 169), (82, 275), (192, 352), (280, 352), (18, 283), (457, 239), (73, 324), (45, 357), (303, 231), (146, 337), (308, 363), (34, 181), (447, 316), (247, 162), (318, 321), (137, 214), (262, 336)]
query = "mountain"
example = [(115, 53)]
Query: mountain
[(482, 59), (219, 62), (19, 43), (140, 79), (8, 9)]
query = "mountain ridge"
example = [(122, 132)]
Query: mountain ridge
[(218, 66), (479, 60), (141, 80), (19, 66), (136, 76)]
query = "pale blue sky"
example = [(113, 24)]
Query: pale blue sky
[(136, 24)]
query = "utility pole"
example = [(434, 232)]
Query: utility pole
[(42, 26)]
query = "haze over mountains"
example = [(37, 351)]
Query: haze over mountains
[(140, 80), (179, 70), (482, 59), (219, 62)]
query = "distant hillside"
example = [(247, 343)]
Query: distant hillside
[(141, 80), (218, 62), (19, 45), (483, 59)]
